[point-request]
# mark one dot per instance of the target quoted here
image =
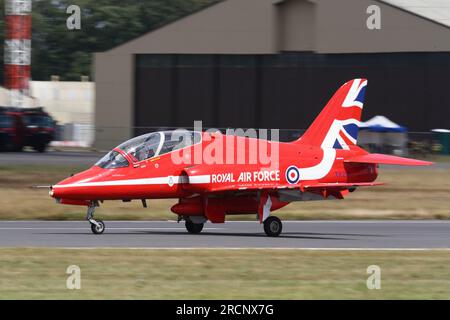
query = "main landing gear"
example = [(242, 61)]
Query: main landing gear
[(97, 226), (273, 226), (193, 228), (194, 225)]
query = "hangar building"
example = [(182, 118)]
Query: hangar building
[(274, 64)]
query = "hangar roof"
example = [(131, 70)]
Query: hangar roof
[(436, 10), (322, 26)]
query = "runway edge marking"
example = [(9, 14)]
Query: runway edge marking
[(233, 248)]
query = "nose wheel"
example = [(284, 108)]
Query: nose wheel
[(97, 226)]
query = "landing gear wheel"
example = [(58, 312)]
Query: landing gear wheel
[(98, 228), (273, 226), (194, 228), (40, 148)]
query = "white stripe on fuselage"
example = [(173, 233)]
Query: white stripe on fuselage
[(169, 180), (320, 170), (329, 153)]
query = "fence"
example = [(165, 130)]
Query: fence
[(411, 143)]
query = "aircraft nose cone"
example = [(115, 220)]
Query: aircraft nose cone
[(68, 191), (70, 187), (61, 190)]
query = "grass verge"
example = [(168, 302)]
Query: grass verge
[(223, 274)]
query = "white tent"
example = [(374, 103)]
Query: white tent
[(380, 134), (381, 124)]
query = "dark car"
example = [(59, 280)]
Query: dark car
[(39, 128), (21, 127)]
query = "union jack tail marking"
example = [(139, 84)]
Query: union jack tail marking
[(337, 125)]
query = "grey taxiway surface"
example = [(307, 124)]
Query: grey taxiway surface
[(299, 234), (50, 158)]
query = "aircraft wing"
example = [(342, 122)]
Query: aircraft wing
[(376, 158), (243, 189), (342, 185), (301, 187)]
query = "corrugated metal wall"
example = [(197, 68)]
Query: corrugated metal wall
[(288, 90)]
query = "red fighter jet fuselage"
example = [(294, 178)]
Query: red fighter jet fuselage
[(214, 174)]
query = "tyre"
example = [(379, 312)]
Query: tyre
[(194, 228), (273, 226), (6, 143), (98, 229), (40, 147), (18, 148)]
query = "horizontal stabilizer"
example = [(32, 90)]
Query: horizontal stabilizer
[(387, 159)]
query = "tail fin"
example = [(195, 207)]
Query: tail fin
[(337, 125)]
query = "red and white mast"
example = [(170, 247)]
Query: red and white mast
[(17, 54)]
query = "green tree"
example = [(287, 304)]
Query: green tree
[(104, 25)]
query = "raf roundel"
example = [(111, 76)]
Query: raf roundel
[(292, 175)]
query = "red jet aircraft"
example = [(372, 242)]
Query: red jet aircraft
[(325, 163)]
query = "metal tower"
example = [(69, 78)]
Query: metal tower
[(17, 55)]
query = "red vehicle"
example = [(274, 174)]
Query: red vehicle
[(12, 130), (20, 127), (324, 164)]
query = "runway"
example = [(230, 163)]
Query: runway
[(50, 158), (342, 235)]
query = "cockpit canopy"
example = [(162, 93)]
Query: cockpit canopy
[(148, 146)]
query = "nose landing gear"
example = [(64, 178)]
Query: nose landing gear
[(97, 226)]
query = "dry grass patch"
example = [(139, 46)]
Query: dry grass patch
[(223, 274)]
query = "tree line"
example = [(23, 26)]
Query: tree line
[(56, 50)]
